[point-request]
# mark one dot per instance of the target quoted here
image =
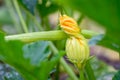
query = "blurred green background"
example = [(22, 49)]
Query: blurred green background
[(31, 60)]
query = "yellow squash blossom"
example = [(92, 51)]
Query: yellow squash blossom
[(77, 49), (69, 25)]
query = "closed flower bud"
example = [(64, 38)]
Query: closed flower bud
[(69, 25), (77, 50)]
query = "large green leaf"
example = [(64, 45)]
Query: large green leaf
[(8, 73), (28, 4), (5, 17), (37, 51), (11, 52), (94, 40), (105, 12), (117, 76), (45, 9)]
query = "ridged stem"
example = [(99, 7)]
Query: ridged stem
[(46, 35)]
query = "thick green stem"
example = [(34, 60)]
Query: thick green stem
[(35, 36), (89, 71), (46, 35), (68, 70), (88, 34), (82, 74), (20, 16)]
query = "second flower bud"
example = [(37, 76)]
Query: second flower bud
[(77, 50)]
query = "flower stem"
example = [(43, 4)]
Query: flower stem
[(89, 34), (89, 71), (82, 74), (68, 69), (46, 35), (63, 63), (20, 16), (35, 36)]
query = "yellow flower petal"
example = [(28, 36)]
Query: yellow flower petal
[(77, 49), (69, 25)]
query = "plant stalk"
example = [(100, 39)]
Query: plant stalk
[(89, 71), (81, 74), (63, 63), (46, 35), (20, 16)]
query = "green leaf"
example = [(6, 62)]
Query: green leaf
[(29, 4), (36, 52), (8, 73), (105, 12), (11, 52), (117, 76), (11, 75), (5, 17), (94, 40), (46, 7)]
